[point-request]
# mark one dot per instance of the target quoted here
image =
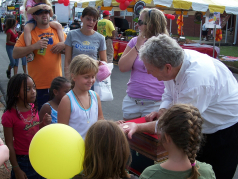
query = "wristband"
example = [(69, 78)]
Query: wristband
[(136, 49), (15, 166)]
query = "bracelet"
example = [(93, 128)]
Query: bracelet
[(136, 49), (15, 166)]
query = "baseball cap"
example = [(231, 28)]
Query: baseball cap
[(107, 13), (38, 12)]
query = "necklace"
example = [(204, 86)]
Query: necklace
[(88, 117), (21, 116)]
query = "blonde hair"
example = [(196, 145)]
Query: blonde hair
[(24, 5), (107, 152), (156, 22), (82, 64), (183, 123)]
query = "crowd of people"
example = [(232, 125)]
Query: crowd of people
[(184, 95)]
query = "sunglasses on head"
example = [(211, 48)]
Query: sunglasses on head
[(140, 22)]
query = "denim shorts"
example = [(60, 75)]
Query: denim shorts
[(32, 21), (25, 165)]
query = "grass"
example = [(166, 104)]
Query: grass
[(192, 38), (229, 51)]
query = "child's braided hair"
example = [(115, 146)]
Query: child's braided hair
[(183, 123)]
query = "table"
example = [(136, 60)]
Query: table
[(200, 48), (146, 149)]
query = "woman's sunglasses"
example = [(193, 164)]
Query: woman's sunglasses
[(140, 23)]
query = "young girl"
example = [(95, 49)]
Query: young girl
[(107, 152), (20, 123), (12, 36), (31, 7), (180, 133), (59, 87), (81, 107)]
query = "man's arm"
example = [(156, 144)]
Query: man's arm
[(114, 34), (130, 128), (21, 51)]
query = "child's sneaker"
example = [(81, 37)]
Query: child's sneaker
[(30, 57), (8, 74)]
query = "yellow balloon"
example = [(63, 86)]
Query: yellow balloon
[(57, 152)]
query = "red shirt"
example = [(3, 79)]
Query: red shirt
[(13, 36), (23, 132)]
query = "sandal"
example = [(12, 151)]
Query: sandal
[(30, 57)]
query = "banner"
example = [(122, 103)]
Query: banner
[(10, 8), (213, 19)]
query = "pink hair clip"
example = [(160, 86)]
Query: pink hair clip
[(193, 164)]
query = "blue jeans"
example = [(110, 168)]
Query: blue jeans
[(13, 62), (25, 165), (23, 61), (42, 97)]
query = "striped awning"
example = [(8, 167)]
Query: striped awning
[(229, 6)]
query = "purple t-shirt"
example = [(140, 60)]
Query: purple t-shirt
[(141, 84), (29, 3)]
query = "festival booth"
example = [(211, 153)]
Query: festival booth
[(189, 7), (146, 149)]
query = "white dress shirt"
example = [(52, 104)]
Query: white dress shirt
[(207, 84)]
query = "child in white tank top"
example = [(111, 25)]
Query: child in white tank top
[(80, 108)]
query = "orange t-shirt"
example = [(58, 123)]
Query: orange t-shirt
[(44, 68)]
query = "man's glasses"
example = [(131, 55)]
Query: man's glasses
[(140, 23)]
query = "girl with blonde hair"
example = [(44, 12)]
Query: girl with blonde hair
[(144, 92), (31, 7), (180, 132), (81, 107)]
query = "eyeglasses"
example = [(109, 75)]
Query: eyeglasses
[(140, 22), (91, 19)]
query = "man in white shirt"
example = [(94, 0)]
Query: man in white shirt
[(194, 78)]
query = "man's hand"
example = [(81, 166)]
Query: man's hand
[(58, 48), (120, 122), (155, 115), (42, 43), (129, 128)]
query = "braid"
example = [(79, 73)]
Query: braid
[(194, 130), (183, 123), (56, 84)]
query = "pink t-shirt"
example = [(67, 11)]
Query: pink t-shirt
[(29, 3), (23, 132), (141, 84)]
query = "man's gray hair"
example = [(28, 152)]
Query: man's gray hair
[(54, 17), (161, 50)]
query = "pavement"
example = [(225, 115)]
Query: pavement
[(112, 110)]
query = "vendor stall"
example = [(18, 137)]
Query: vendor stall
[(119, 47)]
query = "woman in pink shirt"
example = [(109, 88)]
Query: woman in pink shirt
[(144, 92)]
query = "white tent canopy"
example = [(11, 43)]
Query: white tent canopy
[(230, 6)]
